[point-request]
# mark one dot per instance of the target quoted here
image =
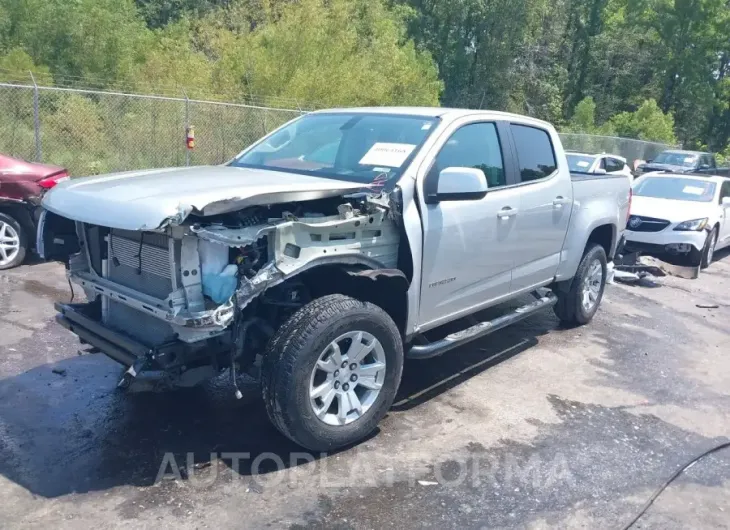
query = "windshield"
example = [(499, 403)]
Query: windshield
[(580, 163), (358, 147), (676, 159), (678, 189)]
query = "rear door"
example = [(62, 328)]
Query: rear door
[(468, 247), (545, 206)]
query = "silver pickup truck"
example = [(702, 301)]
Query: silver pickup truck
[(321, 255)]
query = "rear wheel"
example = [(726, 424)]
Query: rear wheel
[(578, 304), (331, 372), (13, 242)]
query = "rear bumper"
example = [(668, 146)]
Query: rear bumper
[(115, 345)]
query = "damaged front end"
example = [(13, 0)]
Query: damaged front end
[(202, 293)]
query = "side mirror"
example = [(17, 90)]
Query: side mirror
[(726, 201), (600, 171), (461, 184), (649, 161), (704, 166)]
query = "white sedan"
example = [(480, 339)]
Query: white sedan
[(603, 164), (679, 214)]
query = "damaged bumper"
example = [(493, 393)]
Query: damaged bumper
[(76, 318), (213, 320), (668, 241), (187, 284)]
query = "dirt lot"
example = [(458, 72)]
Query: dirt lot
[(536, 427)]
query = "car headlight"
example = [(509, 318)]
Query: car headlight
[(695, 225)]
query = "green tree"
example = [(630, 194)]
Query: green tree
[(648, 122), (16, 64), (584, 117), (172, 66), (353, 52), (95, 39)]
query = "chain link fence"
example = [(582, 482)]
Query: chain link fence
[(91, 132), (628, 148)]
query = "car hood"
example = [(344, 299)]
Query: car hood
[(152, 199), (670, 210), (646, 168)]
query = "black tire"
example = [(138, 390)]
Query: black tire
[(20, 256), (709, 251), (570, 309), (290, 358)]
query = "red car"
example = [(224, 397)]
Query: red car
[(22, 185)]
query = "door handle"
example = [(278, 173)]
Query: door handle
[(560, 201), (505, 213)]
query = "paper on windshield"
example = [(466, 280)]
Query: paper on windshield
[(387, 154), (583, 163), (690, 160), (693, 190)]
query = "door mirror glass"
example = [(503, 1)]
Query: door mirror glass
[(461, 184)]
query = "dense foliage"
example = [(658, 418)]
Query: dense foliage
[(648, 69)]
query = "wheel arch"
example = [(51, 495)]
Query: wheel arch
[(386, 288), (604, 235)]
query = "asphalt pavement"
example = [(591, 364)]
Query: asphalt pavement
[(533, 427)]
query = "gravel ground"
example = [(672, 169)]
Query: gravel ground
[(535, 427)]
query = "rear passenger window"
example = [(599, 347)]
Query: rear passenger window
[(477, 146), (534, 152)]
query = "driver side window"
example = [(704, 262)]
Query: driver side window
[(475, 145)]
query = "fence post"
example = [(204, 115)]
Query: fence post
[(187, 126), (36, 120)]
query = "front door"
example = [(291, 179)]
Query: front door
[(468, 245), (545, 207)]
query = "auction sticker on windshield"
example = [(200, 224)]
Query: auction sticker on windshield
[(693, 190), (387, 154)]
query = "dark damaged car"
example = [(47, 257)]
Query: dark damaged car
[(22, 186), (678, 161)]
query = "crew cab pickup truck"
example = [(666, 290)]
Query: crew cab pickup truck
[(322, 254)]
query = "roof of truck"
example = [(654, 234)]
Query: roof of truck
[(435, 112), (683, 152)]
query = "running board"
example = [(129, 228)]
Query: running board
[(482, 329)]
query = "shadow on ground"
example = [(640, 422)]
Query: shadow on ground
[(65, 428)]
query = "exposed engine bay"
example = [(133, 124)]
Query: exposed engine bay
[(208, 293)]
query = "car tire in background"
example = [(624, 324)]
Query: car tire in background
[(579, 302), (331, 372), (13, 242)]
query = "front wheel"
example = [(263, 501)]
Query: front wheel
[(331, 372), (578, 304)]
